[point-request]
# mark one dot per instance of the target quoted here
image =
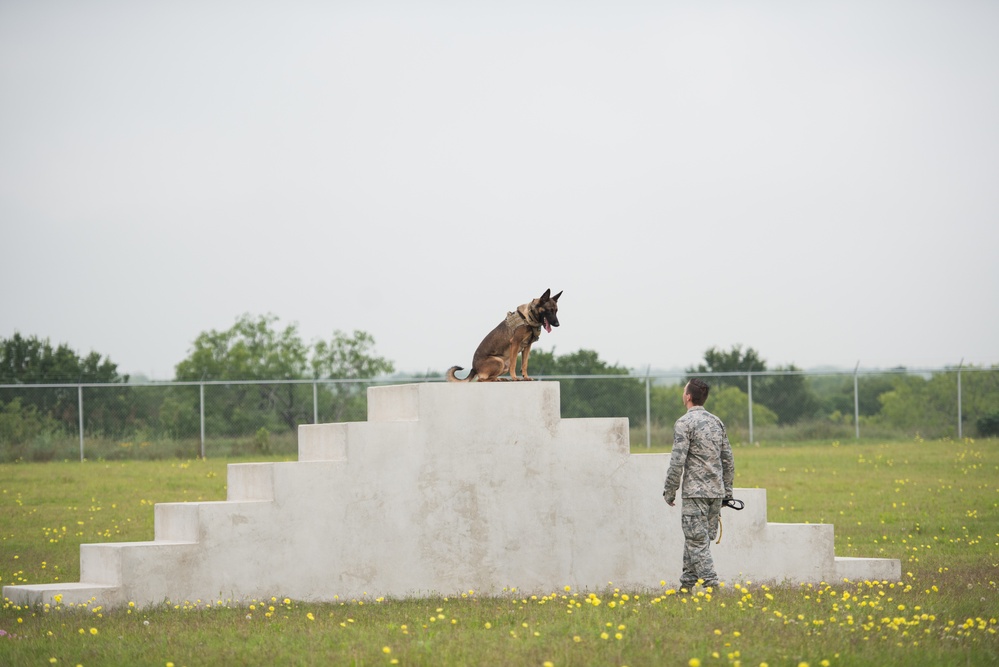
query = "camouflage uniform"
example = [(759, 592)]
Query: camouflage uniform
[(703, 455)]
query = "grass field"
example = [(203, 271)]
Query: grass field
[(932, 504)]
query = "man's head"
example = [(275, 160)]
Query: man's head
[(696, 391)]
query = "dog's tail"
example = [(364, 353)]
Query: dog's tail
[(451, 377)]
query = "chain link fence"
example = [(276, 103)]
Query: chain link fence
[(40, 422)]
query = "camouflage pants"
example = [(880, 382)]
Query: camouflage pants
[(700, 526)]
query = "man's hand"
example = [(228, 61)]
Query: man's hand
[(735, 504), (669, 501)]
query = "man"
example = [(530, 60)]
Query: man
[(703, 455)]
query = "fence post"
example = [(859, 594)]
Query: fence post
[(79, 396), (960, 426), (202, 401), (856, 400), (648, 409), (749, 386), (315, 404)]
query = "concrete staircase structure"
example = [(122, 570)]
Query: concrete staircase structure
[(446, 488)]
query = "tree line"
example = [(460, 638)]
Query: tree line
[(257, 351)]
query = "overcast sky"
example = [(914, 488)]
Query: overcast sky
[(816, 180)]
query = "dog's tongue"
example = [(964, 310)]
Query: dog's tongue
[(547, 326)]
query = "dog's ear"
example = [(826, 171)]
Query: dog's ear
[(555, 298), (547, 295)]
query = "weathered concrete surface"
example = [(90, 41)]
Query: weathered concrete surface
[(446, 488)]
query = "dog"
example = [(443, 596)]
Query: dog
[(497, 353)]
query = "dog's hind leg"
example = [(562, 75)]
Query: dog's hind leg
[(489, 369)]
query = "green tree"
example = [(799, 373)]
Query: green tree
[(251, 349), (592, 398), (735, 360), (257, 348), (27, 435), (789, 396), (731, 405), (834, 393), (919, 405), (928, 406), (32, 360), (346, 357), (980, 399), (666, 404)]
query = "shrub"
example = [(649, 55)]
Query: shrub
[(19, 424), (988, 425), (263, 440)]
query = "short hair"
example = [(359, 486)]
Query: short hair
[(698, 390)]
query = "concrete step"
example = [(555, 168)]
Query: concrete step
[(250, 481), (103, 564), (867, 569), (67, 594)]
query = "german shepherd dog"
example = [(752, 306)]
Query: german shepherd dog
[(497, 353)]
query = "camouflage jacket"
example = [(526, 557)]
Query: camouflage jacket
[(702, 453)]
